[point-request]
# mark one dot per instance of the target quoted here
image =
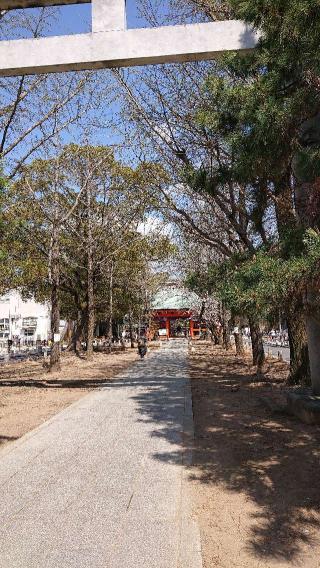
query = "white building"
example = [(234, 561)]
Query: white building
[(26, 321)]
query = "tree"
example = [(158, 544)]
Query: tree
[(252, 111), (270, 116), (193, 260), (48, 203), (7, 227), (83, 210), (204, 201)]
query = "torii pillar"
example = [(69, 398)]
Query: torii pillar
[(110, 44)]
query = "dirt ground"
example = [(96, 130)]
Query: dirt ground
[(30, 396), (256, 470)]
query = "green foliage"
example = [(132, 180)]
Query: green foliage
[(264, 107), (258, 102), (11, 246), (257, 285), (51, 195), (292, 24)]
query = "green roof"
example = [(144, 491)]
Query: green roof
[(175, 299)]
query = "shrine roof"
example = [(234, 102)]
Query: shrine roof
[(175, 299)]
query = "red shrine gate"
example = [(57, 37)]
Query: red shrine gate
[(175, 323)]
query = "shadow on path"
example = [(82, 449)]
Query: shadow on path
[(270, 458), (4, 439), (12, 378), (58, 383)]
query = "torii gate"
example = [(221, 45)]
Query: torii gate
[(110, 44)]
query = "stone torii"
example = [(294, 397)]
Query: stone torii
[(110, 44)]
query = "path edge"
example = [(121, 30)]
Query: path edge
[(15, 444)]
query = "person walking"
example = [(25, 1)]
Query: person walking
[(142, 347)]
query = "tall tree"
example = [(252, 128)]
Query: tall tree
[(273, 125), (83, 210)]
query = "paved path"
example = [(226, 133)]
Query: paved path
[(103, 483)]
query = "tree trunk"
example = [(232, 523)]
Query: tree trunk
[(308, 205), (312, 320), (225, 330), (74, 336), (284, 203), (238, 339), (213, 333), (68, 336), (219, 337), (216, 338), (79, 331), (90, 287), (110, 330), (130, 329), (91, 320), (55, 302), (258, 355), (307, 201), (72, 324), (298, 341), (287, 219)]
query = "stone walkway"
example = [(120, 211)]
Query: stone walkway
[(104, 483)]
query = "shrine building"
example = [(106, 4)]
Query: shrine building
[(175, 312)]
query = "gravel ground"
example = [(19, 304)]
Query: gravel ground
[(256, 473), (29, 395)]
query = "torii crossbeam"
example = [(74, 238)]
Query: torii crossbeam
[(110, 44)]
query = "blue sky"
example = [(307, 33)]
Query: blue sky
[(76, 19)]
